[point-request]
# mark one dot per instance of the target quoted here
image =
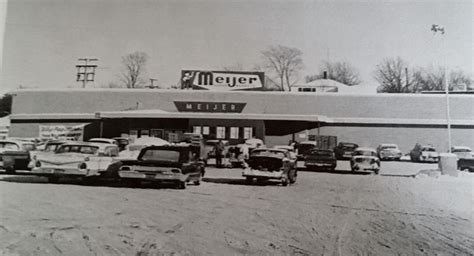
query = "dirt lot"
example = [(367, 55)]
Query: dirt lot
[(322, 214)]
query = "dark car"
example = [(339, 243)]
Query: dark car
[(266, 164), (424, 153), (320, 159), (176, 164), (15, 155), (344, 150)]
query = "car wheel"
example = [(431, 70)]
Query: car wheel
[(292, 176), (248, 180), (53, 179), (181, 185), (10, 170)]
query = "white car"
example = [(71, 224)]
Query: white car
[(76, 159), (389, 152), (103, 140), (365, 159), (462, 152)]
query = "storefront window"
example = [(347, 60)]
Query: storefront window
[(205, 130), (220, 132), (248, 132), (234, 132), (197, 129)]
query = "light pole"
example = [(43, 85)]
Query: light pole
[(437, 29)]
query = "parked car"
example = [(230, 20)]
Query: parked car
[(266, 164), (176, 164), (76, 159), (462, 152), (48, 148), (15, 155), (302, 149), (344, 150), (320, 159), (424, 153), (365, 159), (389, 152)]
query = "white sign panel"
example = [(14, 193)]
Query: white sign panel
[(223, 80), (62, 132)]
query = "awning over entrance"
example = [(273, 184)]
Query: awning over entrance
[(157, 113)]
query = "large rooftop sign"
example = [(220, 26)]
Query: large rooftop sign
[(222, 80)]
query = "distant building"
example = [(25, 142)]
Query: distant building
[(329, 85)]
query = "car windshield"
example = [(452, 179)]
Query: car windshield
[(161, 155), (51, 147), (430, 149), (9, 146), (364, 153), (83, 149), (28, 147), (348, 145), (268, 153), (389, 147), (459, 150)]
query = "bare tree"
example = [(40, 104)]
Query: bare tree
[(134, 65), (342, 72), (284, 62), (432, 79), (394, 76)]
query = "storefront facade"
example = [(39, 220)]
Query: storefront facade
[(276, 117)]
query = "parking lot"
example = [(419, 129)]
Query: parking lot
[(324, 213)]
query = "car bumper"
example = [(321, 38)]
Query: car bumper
[(364, 167), (316, 165), (64, 172), (263, 174), (154, 176)]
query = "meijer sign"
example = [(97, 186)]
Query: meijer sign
[(222, 80)]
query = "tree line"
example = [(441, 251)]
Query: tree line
[(282, 66)]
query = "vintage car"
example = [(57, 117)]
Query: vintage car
[(365, 159), (176, 164), (76, 159), (103, 140), (48, 148), (265, 164), (462, 152), (426, 153), (389, 152), (318, 159), (302, 149), (15, 155), (344, 150)]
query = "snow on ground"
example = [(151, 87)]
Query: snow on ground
[(322, 214)]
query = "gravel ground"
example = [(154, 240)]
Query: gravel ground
[(324, 213)]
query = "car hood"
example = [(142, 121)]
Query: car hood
[(270, 163)]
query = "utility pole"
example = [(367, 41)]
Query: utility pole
[(86, 71)]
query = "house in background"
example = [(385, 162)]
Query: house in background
[(332, 86)]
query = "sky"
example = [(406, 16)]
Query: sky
[(42, 39)]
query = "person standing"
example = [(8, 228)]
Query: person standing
[(219, 149)]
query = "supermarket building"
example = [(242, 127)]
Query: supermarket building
[(276, 117)]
